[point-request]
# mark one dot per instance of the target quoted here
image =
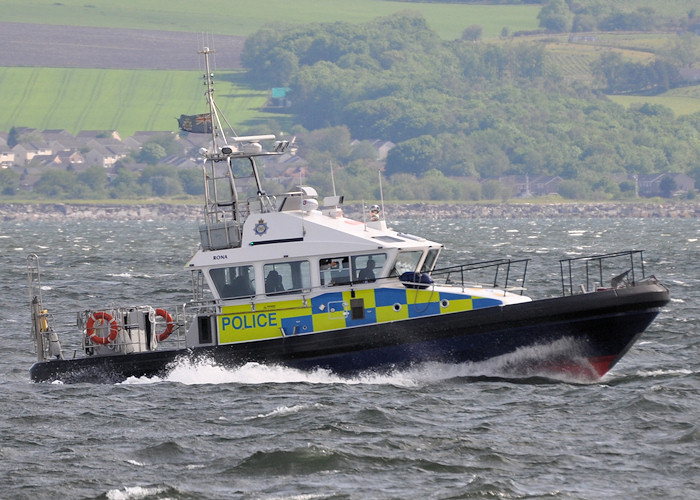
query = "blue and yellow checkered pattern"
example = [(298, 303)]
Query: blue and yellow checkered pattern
[(332, 311)]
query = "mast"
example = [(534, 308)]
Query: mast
[(222, 218), (224, 212)]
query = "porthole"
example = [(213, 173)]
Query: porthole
[(397, 307), (444, 303)]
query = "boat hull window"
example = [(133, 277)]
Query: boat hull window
[(234, 282), (287, 277)]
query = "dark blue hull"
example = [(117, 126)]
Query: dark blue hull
[(584, 334)]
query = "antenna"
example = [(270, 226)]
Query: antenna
[(332, 178), (381, 192), (216, 127)]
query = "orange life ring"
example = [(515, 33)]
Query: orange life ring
[(169, 325), (103, 317)]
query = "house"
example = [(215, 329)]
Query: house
[(74, 160), (137, 140), (106, 156), (60, 139), (192, 142), (649, 184), (7, 156), (545, 184), (382, 147), (25, 152), (653, 184), (684, 183), (538, 185), (179, 161), (85, 135), (68, 160)]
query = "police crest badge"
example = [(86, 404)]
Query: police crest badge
[(260, 227)]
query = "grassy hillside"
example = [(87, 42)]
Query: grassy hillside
[(244, 17), (572, 60), (681, 101), (128, 101)]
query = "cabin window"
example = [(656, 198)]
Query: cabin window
[(234, 282), (335, 271), (367, 268), (356, 269), (406, 262), (430, 260), (287, 277)]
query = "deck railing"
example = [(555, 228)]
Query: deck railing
[(506, 274), (593, 272)]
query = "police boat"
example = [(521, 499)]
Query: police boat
[(290, 280)]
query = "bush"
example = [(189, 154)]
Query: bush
[(574, 190)]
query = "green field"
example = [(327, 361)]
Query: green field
[(127, 101), (243, 17), (122, 100), (682, 101), (667, 7)]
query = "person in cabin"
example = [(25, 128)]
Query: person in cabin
[(241, 285), (273, 282), (367, 274)]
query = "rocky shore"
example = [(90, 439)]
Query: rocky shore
[(163, 211)]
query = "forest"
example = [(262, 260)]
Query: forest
[(466, 110)]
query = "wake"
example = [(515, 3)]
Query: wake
[(530, 364)]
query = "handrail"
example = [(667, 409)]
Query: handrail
[(568, 269), (496, 281)]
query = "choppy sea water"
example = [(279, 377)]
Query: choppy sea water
[(432, 432)]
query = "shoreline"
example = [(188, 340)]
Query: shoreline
[(164, 211)]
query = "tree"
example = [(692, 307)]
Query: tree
[(126, 185), (151, 153), (667, 186), (163, 180), (685, 50), (191, 180), (13, 137), (55, 183), (583, 22), (473, 33), (335, 140), (573, 190), (168, 141), (95, 178), (492, 189), (414, 156), (9, 182), (555, 16)]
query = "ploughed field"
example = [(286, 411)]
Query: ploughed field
[(89, 47)]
